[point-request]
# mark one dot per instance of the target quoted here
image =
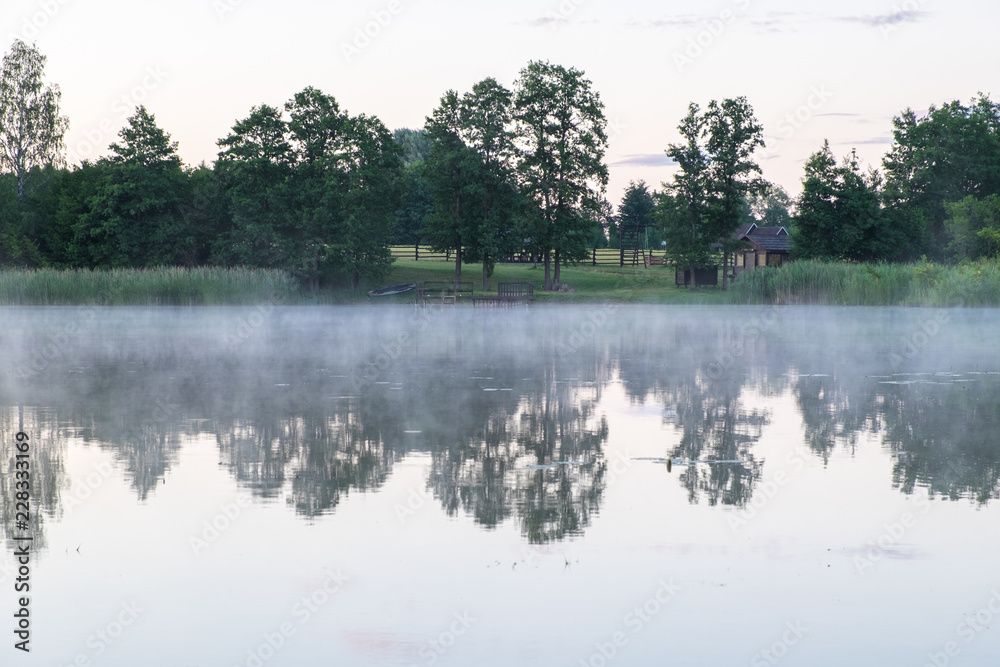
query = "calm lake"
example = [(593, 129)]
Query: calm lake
[(298, 487)]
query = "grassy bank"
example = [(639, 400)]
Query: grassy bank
[(140, 287), (588, 283), (835, 283), (217, 286), (803, 282)]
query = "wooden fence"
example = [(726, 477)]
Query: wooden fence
[(598, 256)]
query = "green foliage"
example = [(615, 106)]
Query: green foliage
[(973, 225), (31, 129), (706, 203), (772, 207), (840, 214), (951, 153), (561, 139), (637, 208), (477, 206), (140, 287), (840, 283), (315, 195), (134, 218), (415, 145)]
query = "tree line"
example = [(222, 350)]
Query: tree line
[(495, 171)]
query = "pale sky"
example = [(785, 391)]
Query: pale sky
[(200, 65)]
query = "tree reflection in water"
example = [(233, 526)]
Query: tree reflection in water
[(512, 423)]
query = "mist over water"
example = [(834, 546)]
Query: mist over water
[(837, 468)]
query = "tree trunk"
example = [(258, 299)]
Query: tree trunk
[(548, 269), (558, 276), (458, 264), (725, 271), (486, 276), (694, 278)]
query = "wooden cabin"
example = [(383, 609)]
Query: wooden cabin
[(769, 246)]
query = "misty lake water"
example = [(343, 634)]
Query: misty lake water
[(398, 486)]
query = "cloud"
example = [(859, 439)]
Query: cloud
[(874, 141), (892, 18), (684, 21), (838, 114), (647, 160), (545, 21)]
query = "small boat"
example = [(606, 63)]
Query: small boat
[(392, 290)]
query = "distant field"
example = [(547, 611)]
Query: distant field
[(802, 282), (589, 283)]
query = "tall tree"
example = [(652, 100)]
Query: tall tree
[(487, 128), (135, 218), (254, 168), (683, 206), (315, 195), (839, 212), (470, 168), (455, 173), (374, 171), (417, 202), (562, 139), (31, 129), (717, 174), (951, 153), (637, 210), (733, 135), (771, 207), (974, 227)]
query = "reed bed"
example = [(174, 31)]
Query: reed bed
[(146, 287), (837, 283)]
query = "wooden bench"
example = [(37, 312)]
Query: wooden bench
[(508, 294), (432, 291)]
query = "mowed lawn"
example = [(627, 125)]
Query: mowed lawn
[(588, 283)]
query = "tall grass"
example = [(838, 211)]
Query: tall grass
[(837, 283), (142, 287)]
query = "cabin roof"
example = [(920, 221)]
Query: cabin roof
[(768, 231), (771, 242)]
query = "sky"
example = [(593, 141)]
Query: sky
[(812, 71)]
